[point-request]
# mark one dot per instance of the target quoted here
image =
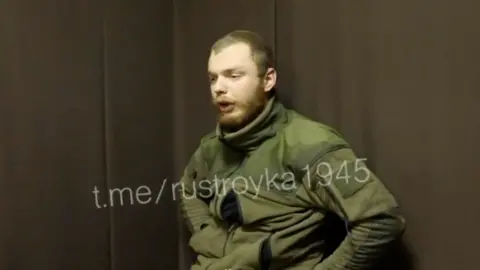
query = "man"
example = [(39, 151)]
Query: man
[(257, 192)]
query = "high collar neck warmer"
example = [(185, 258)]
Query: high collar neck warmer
[(263, 127)]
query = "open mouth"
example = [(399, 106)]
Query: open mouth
[(225, 106)]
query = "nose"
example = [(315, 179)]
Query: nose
[(219, 86)]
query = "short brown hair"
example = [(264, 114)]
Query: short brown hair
[(262, 53)]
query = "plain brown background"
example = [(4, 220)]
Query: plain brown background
[(114, 94)]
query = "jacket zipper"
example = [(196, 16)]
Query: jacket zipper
[(233, 226), (229, 234)]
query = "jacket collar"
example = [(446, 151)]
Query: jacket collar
[(263, 127)]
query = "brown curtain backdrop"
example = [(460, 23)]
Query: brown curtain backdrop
[(102, 102), (86, 100)]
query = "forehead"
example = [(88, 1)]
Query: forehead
[(232, 57)]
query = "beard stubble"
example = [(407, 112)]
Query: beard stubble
[(249, 111)]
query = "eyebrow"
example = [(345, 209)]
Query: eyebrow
[(228, 70)]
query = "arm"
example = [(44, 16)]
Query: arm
[(343, 184), (246, 257), (193, 206)]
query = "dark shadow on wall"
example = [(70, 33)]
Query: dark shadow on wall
[(400, 257)]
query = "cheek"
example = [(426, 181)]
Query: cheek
[(245, 92)]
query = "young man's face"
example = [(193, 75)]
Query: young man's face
[(237, 90)]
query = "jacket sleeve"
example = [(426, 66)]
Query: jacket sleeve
[(246, 257), (342, 183), (194, 189)]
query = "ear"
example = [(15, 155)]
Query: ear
[(270, 79)]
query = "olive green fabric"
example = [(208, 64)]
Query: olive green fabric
[(287, 172)]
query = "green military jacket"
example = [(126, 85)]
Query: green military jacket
[(285, 173)]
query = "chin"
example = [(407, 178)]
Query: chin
[(232, 121), (238, 118), (228, 121)]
